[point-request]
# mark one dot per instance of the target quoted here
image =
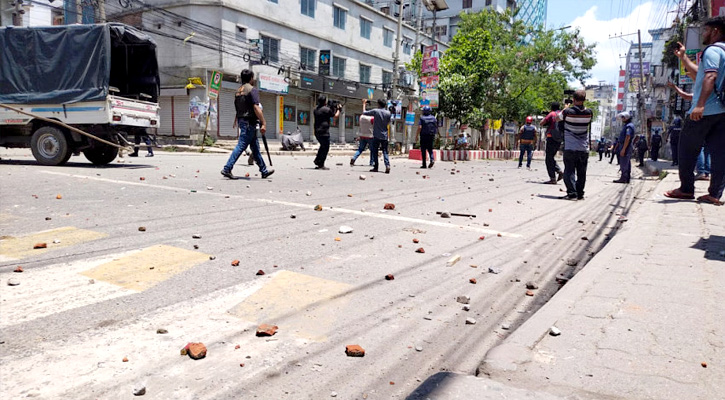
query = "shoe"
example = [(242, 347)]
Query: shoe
[(431, 164), (228, 174), (678, 194), (620, 181), (710, 200), (133, 155), (150, 155), (559, 176), (567, 197), (423, 166), (387, 170), (267, 174), (352, 162), (580, 197), (528, 168), (551, 182), (322, 168), (702, 177), (519, 167), (374, 170)]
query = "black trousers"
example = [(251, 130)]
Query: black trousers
[(426, 146), (640, 156), (552, 167), (575, 172), (324, 139), (709, 131), (654, 153), (674, 143)]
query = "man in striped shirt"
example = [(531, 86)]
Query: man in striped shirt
[(576, 146)]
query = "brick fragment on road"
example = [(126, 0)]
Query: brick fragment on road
[(389, 206), (473, 281), (481, 237), (266, 330), (531, 285), (703, 364), (194, 350), (260, 272), (40, 246), (420, 250), (318, 208), (498, 234), (142, 178), (470, 321), (162, 331), (389, 277), (142, 229), (237, 347), (125, 359), (58, 197), (463, 299), (353, 350), (529, 293), (235, 263), (416, 241), (18, 269)]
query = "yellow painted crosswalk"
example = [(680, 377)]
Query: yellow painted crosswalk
[(15, 248)]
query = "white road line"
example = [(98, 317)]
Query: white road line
[(298, 205)]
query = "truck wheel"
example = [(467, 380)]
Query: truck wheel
[(50, 146), (101, 154)]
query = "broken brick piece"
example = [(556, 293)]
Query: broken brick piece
[(529, 293), (420, 250), (142, 229), (353, 350), (481, 237), (389, 206), (389, 277), (40, 246), (18, 269), (498, 234), (125, 359), (235, 263), (58, 197), (196, 351), (337, 239), (266, 330), (416, 241), (260, 272), (703, 364), (318, 208), (142, 178), (472, 280), (237, 347)]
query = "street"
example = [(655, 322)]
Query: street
[(106, 308)]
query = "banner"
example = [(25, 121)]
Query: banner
[(694, 55), (280, 113), (429, 91), (430, 59), (215, 85), (273, 83), (718, 8)]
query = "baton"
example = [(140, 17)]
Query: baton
[(266, 147)]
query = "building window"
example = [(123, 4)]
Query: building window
[(488, 2), (270, 49), (241, 34), (364, 73), (339, 17), (307, 58), (467, 3), (366, 26), (387, 37), (338, 67), (407, 45), (387, 77), (308, 7)]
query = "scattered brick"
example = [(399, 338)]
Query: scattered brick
[(420, 250), (318, 208), (529, 293), (241, 365), (58, 197), (490, 210), (142, 229), (235, 263), (246, 175), (237, 347), (473, 280), (354, 350), (337, 239), (18, 269), (196, 351), (531, 285), (125, 359), (481, 237), (498, 234), (162, 331), (389, 206), (40, 246), (389, 277), (416, 241), (260, 272), (703, 364), (266, 330), (142, 178)]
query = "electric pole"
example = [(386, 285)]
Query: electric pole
[(396, 61), (642, 94)]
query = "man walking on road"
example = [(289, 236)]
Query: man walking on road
[(381, 120), (365, 136), (246, 102), (576, 145), (554, 136), (323, 118), (527, 138), (626, 138), (706, 122), (427, 130)]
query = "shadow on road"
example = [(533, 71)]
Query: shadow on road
[(77, 165), (712, 246)]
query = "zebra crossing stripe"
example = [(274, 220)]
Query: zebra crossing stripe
[(15, 248)]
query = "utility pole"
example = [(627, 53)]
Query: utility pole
[(18, 13), (418, 24), (641, 100), (396, 60)]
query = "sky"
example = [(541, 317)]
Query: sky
[(600, 20)]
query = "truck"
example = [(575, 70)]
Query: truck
[(71, 89)]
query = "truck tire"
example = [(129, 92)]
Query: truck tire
[(101, 154), (50, 146)]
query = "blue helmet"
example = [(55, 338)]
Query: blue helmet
[(427, 110), (677, 122)]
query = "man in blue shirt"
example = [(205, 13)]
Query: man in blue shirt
[(706, 122), (381, 120), (427, 130), (626, 138)]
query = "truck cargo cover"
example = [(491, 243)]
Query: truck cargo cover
[(74, 63)]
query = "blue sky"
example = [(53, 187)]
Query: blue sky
[(599, 20)]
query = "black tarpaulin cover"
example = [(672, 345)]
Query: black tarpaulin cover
[(74, 63)]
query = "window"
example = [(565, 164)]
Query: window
[(364, 73), (387, 77), (339, 17), (338, 67), (241, 33), (307, 58), (366, 26), (488, 3), (467, 3), (308, 7), (387, 37), (407, 45), (270, 49)]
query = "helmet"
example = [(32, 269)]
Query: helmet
[(427, 110), (529, 119), (624, 115), (677, 122)]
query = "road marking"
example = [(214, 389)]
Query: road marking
[(144, 269), (301, 205), (303, 304), (14, 248)]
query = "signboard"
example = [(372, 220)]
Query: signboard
[(694, 55), (215, 84), (410, 118), (634, 68), (325, 58), (311, 82), (430, 59), (718, 8), (429, 91), (342, 88), (273, 83), (280, 113)]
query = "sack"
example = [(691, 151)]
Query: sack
[(720, 83)]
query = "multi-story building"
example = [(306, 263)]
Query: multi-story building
[(533, 12), (606, 95), (637, 81)]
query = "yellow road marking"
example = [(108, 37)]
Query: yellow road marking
[(298, 303), (20, 247), (148, 267)]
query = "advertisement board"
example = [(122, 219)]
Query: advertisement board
[(429, 91), (273, 83), (215, 84)]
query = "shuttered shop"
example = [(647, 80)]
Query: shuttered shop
[(227, 113), (269, 109), (165, 114), (351, 110), (181, 116)]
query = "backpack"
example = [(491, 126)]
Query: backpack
[(720, 83), (556, 128)]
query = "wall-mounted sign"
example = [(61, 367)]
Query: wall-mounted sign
[(325, 60), (311, 82), (273, 83), (215, 84), (342, 88)]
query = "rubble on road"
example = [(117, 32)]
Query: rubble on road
[(40, 246), (194, 350), (266, 330), (463, 299), (353, 350)]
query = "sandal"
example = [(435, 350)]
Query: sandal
[(710, 200), (678, 194)]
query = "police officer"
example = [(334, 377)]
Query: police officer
[(427, 130), (655, 143), (641, 149), (527, 138), (675, 130), (624, 148)]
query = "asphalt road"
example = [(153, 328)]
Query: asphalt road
[(102, 288)]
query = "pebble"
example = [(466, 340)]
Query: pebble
[(505, 327), (212, 257), (139, 389), (554, 331), (162, 331), (345, 229), (308, 193), (362, 177), (451, 261), (293, 216), (333, 394), (445, 214), (13, 282), (142, 229), (492, 270), (196, 236), (470, 321), (531, 285), (463, 299), (466, 308), (418, 348)]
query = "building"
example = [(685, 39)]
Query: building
[(31, 13), (606, 95), (533, 12), (638, 82)]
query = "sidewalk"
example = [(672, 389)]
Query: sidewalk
[(642, 320)]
